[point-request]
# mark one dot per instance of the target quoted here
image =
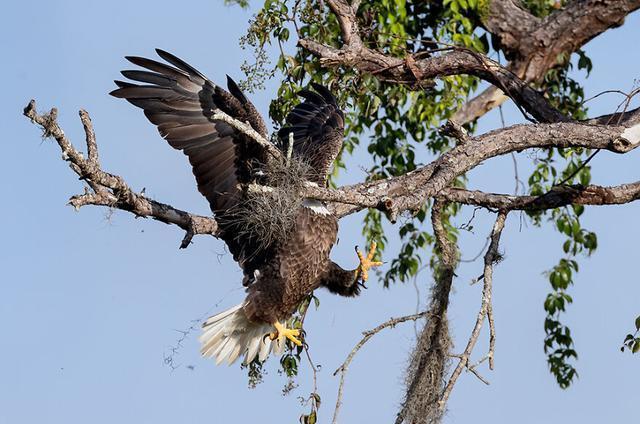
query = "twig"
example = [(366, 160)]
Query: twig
[(513, 157), (92, 146), (314, 398), (314, 367), (475, 258), (170, 358), (472, 368), (342, 369), (489, 259), (625, 105), (247, 130)]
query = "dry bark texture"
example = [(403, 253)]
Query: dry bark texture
[(532, 45)]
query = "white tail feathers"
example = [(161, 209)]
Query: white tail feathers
[(230, 334)]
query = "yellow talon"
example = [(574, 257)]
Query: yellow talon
[(282, 332), (366, 262)]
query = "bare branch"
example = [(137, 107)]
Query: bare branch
[(628, 119), (342, 369), (472, 368), (492, 336), (558, 196), (247, 130), (111, 190), (393, 196), (478, 106), (489, 260), (410, 191), (92, 147), (456, 62)]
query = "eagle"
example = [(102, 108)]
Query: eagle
[(278, 274)]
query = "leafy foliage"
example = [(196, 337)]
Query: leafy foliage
[(567, 95), (632, 341)]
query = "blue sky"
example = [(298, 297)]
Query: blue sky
[(89, 302)]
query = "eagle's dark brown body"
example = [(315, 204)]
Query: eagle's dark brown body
[(183, 104), (271, 297)]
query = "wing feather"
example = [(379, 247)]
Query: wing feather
[(317, 126), (181, 102), (191, 82)]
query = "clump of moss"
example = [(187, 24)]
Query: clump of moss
[(268, 214)]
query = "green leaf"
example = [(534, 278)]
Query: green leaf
[(284, 34), (316, 398), (313, 418)]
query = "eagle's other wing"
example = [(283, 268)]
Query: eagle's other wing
[(317, 125), (181, 102)]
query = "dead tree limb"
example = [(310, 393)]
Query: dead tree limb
[(111, 190), (489, 260)]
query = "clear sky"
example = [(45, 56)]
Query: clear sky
[(90, 302)]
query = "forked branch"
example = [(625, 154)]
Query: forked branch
[(110, 190), (490, 258)]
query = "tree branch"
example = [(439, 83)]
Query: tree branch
[(410, 191), (346, 15), (111, 190), (456, 62), (490, 259), (247, 130), (533, 45), (342, 369), (558, 196), (508, 20), (393, 196)]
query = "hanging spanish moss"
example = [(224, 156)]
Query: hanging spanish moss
[(269, 215)]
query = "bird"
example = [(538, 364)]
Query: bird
[(280, 273)]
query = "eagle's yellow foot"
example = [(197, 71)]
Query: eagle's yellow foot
[(282, 332), (366, 262)]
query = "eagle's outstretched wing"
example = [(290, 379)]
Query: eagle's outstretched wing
[(181, 102), (317, 125)]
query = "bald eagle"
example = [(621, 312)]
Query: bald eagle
[(279, 275)]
